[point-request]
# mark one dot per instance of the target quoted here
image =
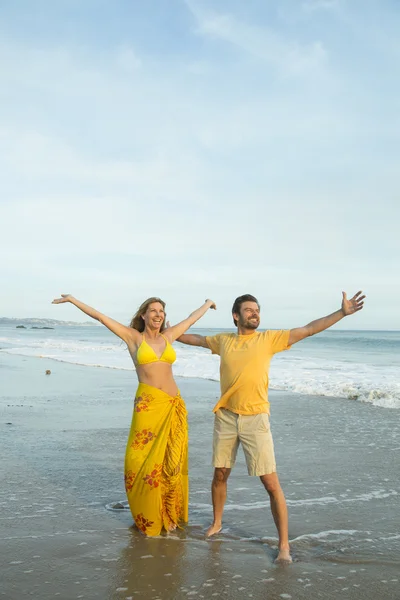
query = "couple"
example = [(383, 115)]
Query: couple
[(156, 461)]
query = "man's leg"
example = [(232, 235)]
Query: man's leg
[(258, 446), (218, 491), (225, 445), (279, 513)]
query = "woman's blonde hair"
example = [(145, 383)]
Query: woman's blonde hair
[(137, 322)]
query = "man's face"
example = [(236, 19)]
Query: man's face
[(249, 315)]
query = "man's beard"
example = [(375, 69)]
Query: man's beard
[(249, 324)]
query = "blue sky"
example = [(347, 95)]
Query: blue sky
[(193, 149)]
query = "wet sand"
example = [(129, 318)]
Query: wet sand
[(62, 442)]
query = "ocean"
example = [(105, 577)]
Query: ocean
[(361, 366)]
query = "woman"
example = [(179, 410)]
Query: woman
[(156, 460)]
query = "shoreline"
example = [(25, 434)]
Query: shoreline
[(361, 367), (17, 359)]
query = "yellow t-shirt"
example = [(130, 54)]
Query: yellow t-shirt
[(245, 361)]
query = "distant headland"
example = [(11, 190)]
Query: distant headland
[(33, 323)]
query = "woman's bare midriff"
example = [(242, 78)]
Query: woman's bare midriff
[(158, 375)]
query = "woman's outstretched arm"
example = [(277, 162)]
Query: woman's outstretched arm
[(177, 330), (127, 334)]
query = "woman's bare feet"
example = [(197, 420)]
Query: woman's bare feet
[(213, 529), (283, 557)]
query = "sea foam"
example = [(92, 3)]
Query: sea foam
[(306, 370)]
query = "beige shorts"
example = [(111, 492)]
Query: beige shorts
[(253, 432)]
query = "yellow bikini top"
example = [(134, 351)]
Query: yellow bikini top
[(146, 353)]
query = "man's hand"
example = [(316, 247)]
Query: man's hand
[(349, 307)]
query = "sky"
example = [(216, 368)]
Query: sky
[(194, 149)]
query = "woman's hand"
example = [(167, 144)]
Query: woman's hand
[(179, 329), (212, 304), (127, 334), (64, 298)]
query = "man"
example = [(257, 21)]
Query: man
[(242, 412)]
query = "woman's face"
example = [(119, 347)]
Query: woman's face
[(154, 316)]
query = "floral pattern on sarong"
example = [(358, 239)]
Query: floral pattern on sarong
[(153, 478), (129, 480), (175, 400), (156, 456), (142, 402), (142, 438), (142, 523)]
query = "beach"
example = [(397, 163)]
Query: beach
[(62, 444)]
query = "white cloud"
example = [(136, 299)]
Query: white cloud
[(285, 54)]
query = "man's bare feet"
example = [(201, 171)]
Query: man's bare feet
[(213, 529), (283, 557)]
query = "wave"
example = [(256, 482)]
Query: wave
[(302, 372), (321, 501)]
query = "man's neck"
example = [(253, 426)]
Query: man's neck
[(245, 331)]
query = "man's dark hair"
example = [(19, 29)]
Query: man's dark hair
[(238, 303)]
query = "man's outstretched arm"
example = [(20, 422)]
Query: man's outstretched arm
[(192, 339), (349, 307)]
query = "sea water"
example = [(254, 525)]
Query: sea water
[(358, 365)]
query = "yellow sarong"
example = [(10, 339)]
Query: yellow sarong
[(156, 461)]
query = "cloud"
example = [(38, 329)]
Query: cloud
[(282, 53)]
